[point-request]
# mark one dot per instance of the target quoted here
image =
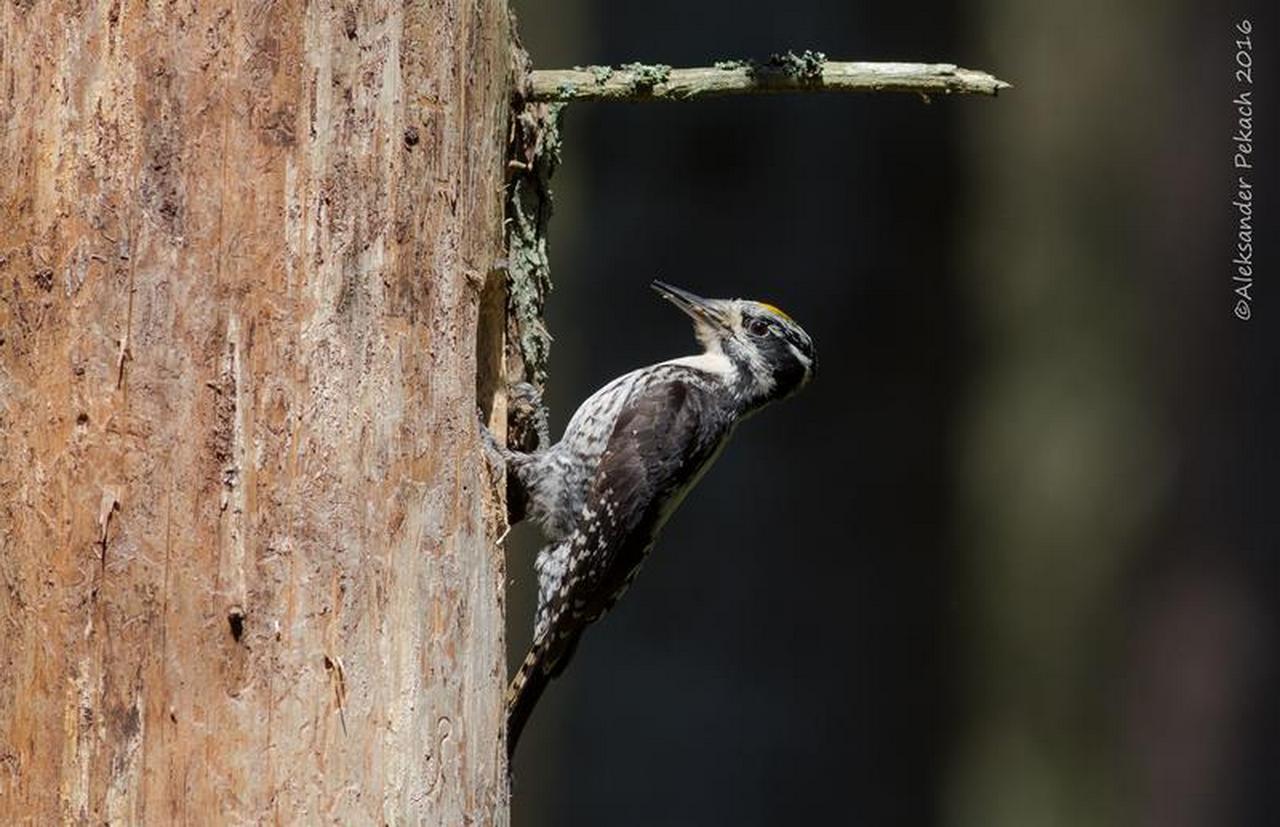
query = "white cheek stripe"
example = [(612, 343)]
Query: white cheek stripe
[(802, 359)]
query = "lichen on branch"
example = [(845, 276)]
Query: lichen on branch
[(805, 71)]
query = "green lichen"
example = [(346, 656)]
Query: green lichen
[(646, 75), (535, 154), (733, 65), (599, 74), (803, 66)]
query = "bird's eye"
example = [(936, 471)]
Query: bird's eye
[(758, 327)]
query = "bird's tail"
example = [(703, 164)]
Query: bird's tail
[(545, 661), (523, 694)]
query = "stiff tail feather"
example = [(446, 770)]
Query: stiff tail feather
[(525, 690), (544, 662)]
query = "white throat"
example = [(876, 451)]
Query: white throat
[(713, 362)]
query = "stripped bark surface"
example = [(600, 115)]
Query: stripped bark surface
[(809, 72), (246, 571)]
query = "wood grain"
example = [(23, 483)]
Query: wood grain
[(245, 569)]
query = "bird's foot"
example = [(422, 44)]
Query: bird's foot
[(527, 427)]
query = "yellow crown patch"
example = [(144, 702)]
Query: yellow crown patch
[(777, 311)]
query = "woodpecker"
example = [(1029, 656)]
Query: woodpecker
[(627, 459)]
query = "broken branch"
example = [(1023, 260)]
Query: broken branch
[(787, 73)]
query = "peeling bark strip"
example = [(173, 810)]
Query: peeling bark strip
[(807, 72), (247, 570)]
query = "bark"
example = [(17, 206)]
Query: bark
[(247, 569)]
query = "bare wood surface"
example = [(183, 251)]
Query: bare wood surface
[(639, 82), (244, 571)]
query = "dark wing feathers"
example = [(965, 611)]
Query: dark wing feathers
[(659, 442), (661, 439)]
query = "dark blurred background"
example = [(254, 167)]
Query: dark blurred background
[(1011, 559)]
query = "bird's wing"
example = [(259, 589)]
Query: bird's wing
[(662, 438)]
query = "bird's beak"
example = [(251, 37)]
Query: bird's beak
[(700, 309)]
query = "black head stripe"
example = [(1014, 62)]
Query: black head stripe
[(800, 339), (788, 371)]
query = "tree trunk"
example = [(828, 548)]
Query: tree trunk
[(247, 569)]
